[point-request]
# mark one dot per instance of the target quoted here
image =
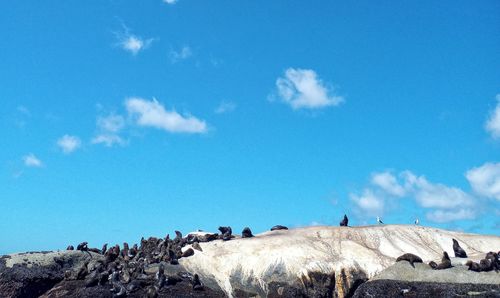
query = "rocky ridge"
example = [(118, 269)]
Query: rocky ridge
[(320, 261)]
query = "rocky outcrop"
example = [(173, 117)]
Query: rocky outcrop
[(403, 280), (45, 274), (307, 262), (321, 261)]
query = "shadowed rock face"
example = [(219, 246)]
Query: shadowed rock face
[(396, 288), (21, 281), (42, 275)]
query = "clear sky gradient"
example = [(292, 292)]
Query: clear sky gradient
[(123, 119)]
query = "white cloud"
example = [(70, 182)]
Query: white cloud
[(369, 203), (388, 183), (302, 89), (32, 161), (444, 203), (485, 180), (225, 107), (442, 216), (109, 127), (108, 140), (111, 123), (493, 122), (153, 114), (69, 143), (170, 1), (436, 195), (134, 44), (184, 53)]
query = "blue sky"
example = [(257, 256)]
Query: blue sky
[(123, 119)]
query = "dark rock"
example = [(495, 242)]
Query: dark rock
[(396, 288), (21, 281)]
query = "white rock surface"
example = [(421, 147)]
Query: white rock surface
[(289, 255)]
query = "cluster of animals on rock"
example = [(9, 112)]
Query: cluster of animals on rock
[(124, 268), (490, 262)]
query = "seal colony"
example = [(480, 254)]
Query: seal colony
[(124, 269), (490, 262), (161, 266)]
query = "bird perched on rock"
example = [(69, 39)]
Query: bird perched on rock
[(379, 221), (344, 221), (417, 222), (246, 233), (459, 252)]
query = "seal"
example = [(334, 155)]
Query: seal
[(82, 246), (70, 247), (485, 265), (493, 257), (278, 227), (246, 233), (411, 258), (197, 246), (226, 233), (445, 263), (344, 221), (104, 248), (473, 266), (188, 252), (197, 285), (459, 252)]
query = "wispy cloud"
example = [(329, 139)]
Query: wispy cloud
[(153, 114), (485, 180), (443, 203), (442, 216), (32, 161), (108, 140), (108, 130), (68, 143), (24, 110), (369, 203), (388, 182), (225, 107), (170, 1), (493, 122), (182, 54), (302, 89), (132, 43)]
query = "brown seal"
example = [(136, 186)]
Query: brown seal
[(411, 258)]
